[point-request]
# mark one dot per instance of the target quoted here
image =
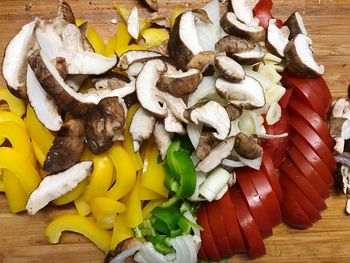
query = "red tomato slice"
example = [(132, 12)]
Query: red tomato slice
[(312, 119), (202, 254), (271, 174), (314, 140), (290, 170), (320, 84), (267, 196), (291, 188), (250, 231), (283, 102), (262, 10), (206, 235), (312, 158), (231, 225), (293, 214), (216, 224), (255, 204), (308, 171)]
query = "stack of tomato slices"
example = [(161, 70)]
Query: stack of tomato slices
[(247, 213)]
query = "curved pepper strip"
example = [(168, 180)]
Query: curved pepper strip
[(79, 224), (71, 195), (15, 104), (39, 155), (16, 196), (6, 116), (83, 208), (154, 36), (105, 210), (176, 12), (111, 46), (133, 213), (21, 167), (147, 209), (120, 231), (94, 38), (125, 12), (125, 171)]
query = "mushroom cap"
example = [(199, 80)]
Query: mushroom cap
[(277, 38), (233, 44), (65, 12), (162, 138), (229, 68), (247, 147), (296, 25), (249, 57), (129, 57), (201, 60), (153, 4)]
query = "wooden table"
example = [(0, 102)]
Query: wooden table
[(21, 236)]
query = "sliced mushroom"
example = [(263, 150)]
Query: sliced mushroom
[(104, 124), (339, 127), (163, 48), (162, 138), (54, 186), (153, 4), (67, 147), (249, 57), (277, 38), (232, 26), (159, 19), (244, 10), (86, 43), (344, 180), (133, 23), (173, 125), (229, 68), (211, 114), (233, 111), (201, 60), (247, 147), (176, 105), (61, 66), (183, 40), (217, 154), (132, 56), (296, 25), (14, 65), (44, 106), (65, 12), (114, 82), (207, 142), (181, 83), (141, 127), (201, 15), (248, 94), (233, 44), (71, 38), (300, 59)]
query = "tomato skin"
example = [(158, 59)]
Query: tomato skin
[(284, 101), (255, 204), (267, 196), (233, 231), (216, 224), (308, 171), (262, 10), (321, 85), (250, 231), (202, 254)]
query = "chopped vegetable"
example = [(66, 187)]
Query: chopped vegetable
[(105, 210)]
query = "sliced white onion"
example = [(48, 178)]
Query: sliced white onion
[(120, 258), (200, 178), (148, 253), (264, 81), (191, 218), (206, 89), (254, 163), (232, 163), (215, 182), (221, 193), (194, 133), (185, 249)]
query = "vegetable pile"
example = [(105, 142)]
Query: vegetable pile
[(168, 138)]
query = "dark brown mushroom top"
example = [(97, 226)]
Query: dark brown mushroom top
[(122, 246), (65, 11), (207, 142), (247, 147), (233, 44)]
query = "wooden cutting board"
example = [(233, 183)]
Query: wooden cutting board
[(21, 236)]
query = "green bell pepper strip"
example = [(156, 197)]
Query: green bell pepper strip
[(169, 216)]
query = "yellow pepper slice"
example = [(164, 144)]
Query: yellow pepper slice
[(120, 231), (105, 210), (154, 36), (94, 38), (21, 167), (39, 155), (83, 207), (176, 12), (133, 213), (131, 47), (16, 196), (125, 170), (125, 12), (79, 224), (111, 46), (15, 104), (146, 211), (147, 194), (71, 195), (12, 117), (123, 37)]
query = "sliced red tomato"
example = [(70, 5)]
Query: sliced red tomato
[(262, 11), (267, 196), (292, 189), (255, 204), (314, 140), (271, 174), (278, 147), (293, 214), (208, 243), (233, 231), (290, 170), (250, 231), (321, 85), (216, 224), (312, 158), (202, 254), (305, 112), (308, 171), (283, 102)]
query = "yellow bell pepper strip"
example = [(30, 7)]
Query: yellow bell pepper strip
[(111, 46), (16, 196), (146, 211), (81, 225), (21, 167), (83, 207), (133, 213), (39, 154), (94, 38), (176, 12), (120, 231), (12, 117), (125, 170), (123, 38), (131, 47), (147, 194), (15, 104), (125, 12), (71, 195), (105, 210), (154, 36)]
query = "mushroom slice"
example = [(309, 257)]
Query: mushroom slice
[(207, 142), (247, 147), (233, 111), (44, 106), (153, 4), (233, 44), (159, 19), (133, 23), (232, 26), (132, 56), (86, 43), (243, 9), (54, 186), (67, 147), (277, 38), (183, 40), (14, 65), (65, 12), (124, 251), (211, 114), (141, 127), (173, 125), (71, 38), (112, 85), (296, 25), (249, 57), (134, 69), (217, 154), (248, 93), (181, 83), (162, 48), (162, 138), (229, 68), (300, 59), (201, 61), (339, 127), (146, 87), (176, 105), (104, 124)]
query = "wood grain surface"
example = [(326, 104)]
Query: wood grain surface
[(21, 236)]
